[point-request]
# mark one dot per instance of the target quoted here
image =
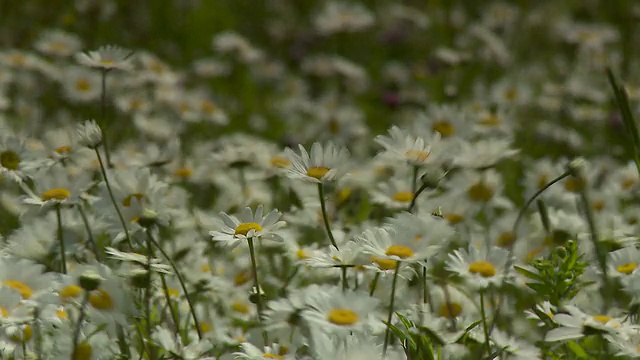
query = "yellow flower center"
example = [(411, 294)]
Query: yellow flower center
[(445, 128), (101, 300), (205, 326), (627, 268), (9, 160), (480, 192), (400, 251), (628, 183), (174, 293), (242, 278), (280, 162), (542, 181), (490, 120), (240, 307), (603, 319), (511, 94), (20, 287), (244, 228), (272, 356), (83, 351), (83, 85), (344, 194), (70, 291), (416, 155), (454, 218), (127, 201), (575, 184), (205, 268), (342, 317), (55, 194), (4, 312), (598, 205), (208, 107), (384, 264), (183, 173), (63, 149), (301, 254), (25, 336), (61, 314), (505, 239), (107, 62), (451, 309), (483, 268), (317, 172), (403, 196)]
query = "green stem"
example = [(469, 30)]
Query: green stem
[(182, 284), (147, 297), (325, 218), (485, 328), (61, 240), (345, 284), (113, 199), (601, 254), (254, 267), (92, 241), (103, 113), (415, 197), (76, 332), (37, 333), (426, 297), (172, 311), (387, 332), (374, 284)]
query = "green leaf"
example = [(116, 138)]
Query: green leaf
[(577, 350), (627, 116), (528, 273)]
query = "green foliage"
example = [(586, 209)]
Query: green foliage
[(556, 277)]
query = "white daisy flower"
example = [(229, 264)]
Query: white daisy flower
[(334, 311), (623, 263), (576, 323), (248, 225), (273, 351), (515, 348), (404, 146), (481, 267), (322, 164), (107, 58)]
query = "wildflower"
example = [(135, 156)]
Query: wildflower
[(89, 134), (403, 146), (480, 267), (107, 58), (322, 164), (248, 225)]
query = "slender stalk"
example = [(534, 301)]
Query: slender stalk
[(113, 199), (415, 197), (325, 218), (254, 267), (600, 253), (345, 284), (92, 241), (147, 297), (103, 118), (61, 240), (37, 332), (182, 283), (172, 311), (485, 328), (374, 284), (387, 332), (426, 297), (76, 332)]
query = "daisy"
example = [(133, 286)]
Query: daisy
[(15, 158), (89, 134), (623, 263), (480, 267), (26, 278), (483, 153), (107, 58), (352, 347), (322, 164), (273, 351), (333, 311), (81, 85), (575, 324), (58, 43), (404, 146), (248, 225), (514, 348), (55, 186), (196, 350)]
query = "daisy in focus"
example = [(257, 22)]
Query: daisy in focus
[(248, 224), (321, 164)]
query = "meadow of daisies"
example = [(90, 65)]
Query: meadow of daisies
[(319, 180)]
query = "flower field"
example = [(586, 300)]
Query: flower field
[(319, 180)]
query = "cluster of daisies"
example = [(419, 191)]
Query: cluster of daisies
[(147, 232)]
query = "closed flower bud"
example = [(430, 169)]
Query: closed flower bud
[(90, 280), (89, 134)]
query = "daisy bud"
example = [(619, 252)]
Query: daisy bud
[(577, 166), (90, 280), (148, 218), (89, 134), (432, 177), (139, 278), (254, 295)]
